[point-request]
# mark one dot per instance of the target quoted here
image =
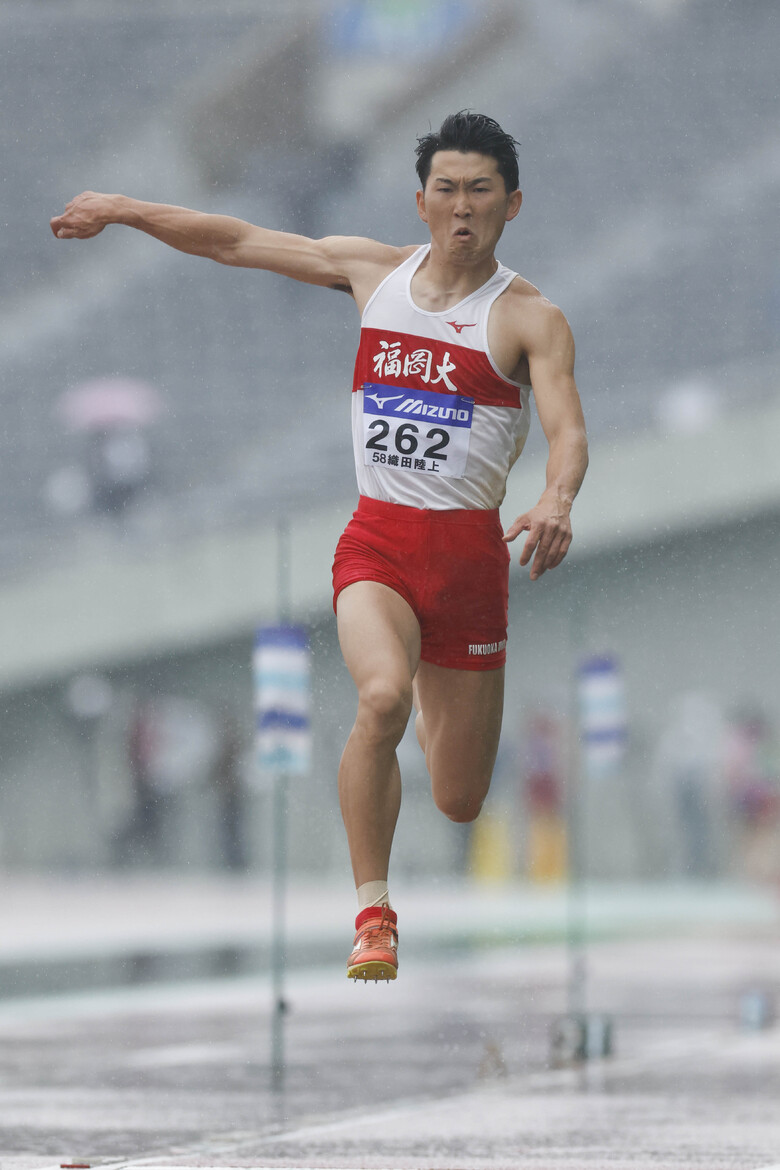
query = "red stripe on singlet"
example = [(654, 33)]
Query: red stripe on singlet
[(413, 362)]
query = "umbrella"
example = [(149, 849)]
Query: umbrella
[(102, 403)]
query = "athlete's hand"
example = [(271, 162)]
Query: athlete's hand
[(84, 217), (549, 534)]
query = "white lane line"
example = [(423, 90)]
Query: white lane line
[(97, 1164), (154, 1165), (179, 1055)]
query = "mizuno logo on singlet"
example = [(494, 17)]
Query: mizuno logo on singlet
[(380, 401), (453, 409), (459, 328), (417, 406)]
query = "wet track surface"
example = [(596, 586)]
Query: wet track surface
[(449, 1067)]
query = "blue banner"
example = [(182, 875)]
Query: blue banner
[(603, 717), (399, 30), (282, 675)]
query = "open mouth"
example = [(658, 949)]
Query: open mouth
[(463, 233)]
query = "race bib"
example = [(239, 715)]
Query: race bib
[(416, 430)]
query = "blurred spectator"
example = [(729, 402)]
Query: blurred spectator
[(171, 745), (119, 465), (753, 775), (113, 417), (227, 777), (543, 798), (141, 833), (690, 759)]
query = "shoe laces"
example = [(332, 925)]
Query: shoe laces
[(382, 931)]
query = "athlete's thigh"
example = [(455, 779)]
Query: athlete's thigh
[(378, 633), (462, 711)]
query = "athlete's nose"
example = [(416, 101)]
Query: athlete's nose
[(463, 204)]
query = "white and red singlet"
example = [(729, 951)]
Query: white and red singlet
[(435, 424), (436, 428)]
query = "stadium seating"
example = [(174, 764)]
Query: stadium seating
[(651, 192)]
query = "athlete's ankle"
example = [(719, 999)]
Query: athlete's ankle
[(372, 894)]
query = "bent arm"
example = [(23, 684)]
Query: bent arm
[(551, 363), (328, 262)]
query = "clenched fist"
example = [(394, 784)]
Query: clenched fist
[(84, 217)]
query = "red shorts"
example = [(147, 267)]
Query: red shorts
[(452, 567)]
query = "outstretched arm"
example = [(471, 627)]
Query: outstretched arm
[(335, 262), (550, 351)]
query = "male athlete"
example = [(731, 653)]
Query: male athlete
[(451, 345)]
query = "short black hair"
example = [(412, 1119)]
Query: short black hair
[(466, 132)]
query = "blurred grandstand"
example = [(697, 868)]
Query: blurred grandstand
[(650, 164)]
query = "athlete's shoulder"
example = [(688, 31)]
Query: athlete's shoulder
[(364, 262), (520, 293), (531, 311)]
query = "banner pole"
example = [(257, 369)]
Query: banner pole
[(278, 955), (282, 671), (599, 710), (576, 897)]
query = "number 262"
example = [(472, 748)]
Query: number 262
[(406, 441)]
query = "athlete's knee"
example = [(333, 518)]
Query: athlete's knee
[(384, 705), (461, 807)]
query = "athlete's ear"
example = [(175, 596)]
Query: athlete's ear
[(515, 203), (421, 206)]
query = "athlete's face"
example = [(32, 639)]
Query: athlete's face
[(466, 204)]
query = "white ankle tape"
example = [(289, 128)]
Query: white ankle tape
[(372, 894)]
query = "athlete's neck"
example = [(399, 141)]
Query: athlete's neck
[(440, 282)]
